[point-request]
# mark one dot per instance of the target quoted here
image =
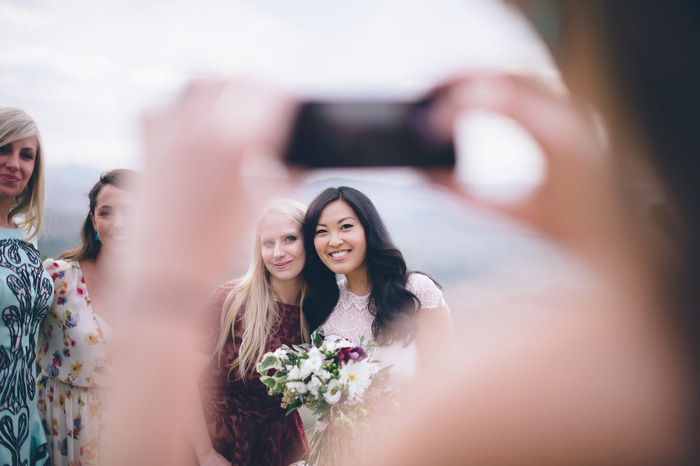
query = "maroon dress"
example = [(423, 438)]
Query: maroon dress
[(246, 425)]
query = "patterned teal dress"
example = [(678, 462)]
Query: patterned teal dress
[(25, 293)]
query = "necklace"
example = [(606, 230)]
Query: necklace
[(276, 296)]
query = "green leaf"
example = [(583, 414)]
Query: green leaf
[(277, 388), (290, 410), (269, 362), (270, 382)]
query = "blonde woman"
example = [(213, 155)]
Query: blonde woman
[(243, 320), (25, 288)]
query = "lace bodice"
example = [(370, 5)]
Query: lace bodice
[(351, 318)]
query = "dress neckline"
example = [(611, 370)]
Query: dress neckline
[(287, 304), (344, 282), (100, 320)]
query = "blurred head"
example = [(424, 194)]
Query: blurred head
[(636, 61), (110, 200), (26, 184)]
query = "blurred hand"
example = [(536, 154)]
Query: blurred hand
[(579, 203), (207, 169), (590, 375), (210, 163)]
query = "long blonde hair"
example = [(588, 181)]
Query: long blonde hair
[(27, 209), (254, 294)]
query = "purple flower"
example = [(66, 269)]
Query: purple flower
[(71, 322), (351, 354), (52, 370)]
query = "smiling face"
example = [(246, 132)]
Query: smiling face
[(282, 247), (17, 161), (112, 216), (340, 239)]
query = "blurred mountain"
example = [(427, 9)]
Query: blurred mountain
[(465, 249), (437, 234), (442, 236)]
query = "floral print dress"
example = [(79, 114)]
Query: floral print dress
[(75, 361), (25, 294)]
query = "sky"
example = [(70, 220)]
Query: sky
[(86, 70)]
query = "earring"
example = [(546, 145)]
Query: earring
[(97, 237)]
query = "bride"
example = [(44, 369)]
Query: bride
[(379, 299)]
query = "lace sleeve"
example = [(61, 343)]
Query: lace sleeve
[(429, 295)]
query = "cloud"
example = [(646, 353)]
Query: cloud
[(18, 15), (87, 68)]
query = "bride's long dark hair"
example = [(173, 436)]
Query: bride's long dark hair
[(391, 303)]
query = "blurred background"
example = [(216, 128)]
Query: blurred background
[(85, 71)]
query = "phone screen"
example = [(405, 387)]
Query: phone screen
[(366, 134)]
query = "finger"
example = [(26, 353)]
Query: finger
[(577, 187)]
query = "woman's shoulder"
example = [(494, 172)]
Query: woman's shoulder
[(207, 320), (220, 295), (419, 280), (212, 308), (11, 233), (58, 268), (426, 290)]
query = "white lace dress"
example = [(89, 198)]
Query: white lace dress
[(351, 319)]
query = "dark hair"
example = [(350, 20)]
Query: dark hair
[(89, 247), (391, 303)]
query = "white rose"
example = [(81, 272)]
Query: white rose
[(323, 375), (312, 364), (294, 373), (332, 396), (296, 387), (314, 385)]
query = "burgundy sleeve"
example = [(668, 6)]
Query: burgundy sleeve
[(207, 321)]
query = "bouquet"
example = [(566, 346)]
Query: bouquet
[(337, 380)]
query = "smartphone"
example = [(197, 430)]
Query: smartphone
[(367, 133)]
